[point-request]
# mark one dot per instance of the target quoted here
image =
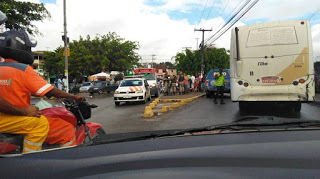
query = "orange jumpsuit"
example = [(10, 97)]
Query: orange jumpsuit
[(17, 82)]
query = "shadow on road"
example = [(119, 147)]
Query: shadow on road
[(267, 109)]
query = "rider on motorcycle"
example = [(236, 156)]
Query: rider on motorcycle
[(18, 81)]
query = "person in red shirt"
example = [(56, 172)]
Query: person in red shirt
[(18, 81), (196, 82)]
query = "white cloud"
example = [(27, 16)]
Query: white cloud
[(156, 32), (132, 20)]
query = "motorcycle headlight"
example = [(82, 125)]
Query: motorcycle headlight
[(140, 91)]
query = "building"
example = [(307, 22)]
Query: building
[(39, 63), (161, 71), (171, 71), (38, 60)]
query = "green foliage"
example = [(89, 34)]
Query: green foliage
[(190, 62), (89, 56), (22, 14), (118, 77)]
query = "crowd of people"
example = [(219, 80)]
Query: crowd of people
[(182, 84)]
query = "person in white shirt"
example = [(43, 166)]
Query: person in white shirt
[(65, 83), (193, 78), (60, 83)]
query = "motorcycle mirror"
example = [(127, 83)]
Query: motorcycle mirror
[(93, 106), (3, 18)]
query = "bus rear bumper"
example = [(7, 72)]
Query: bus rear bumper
[(290, 92)]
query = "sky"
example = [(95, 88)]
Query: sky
[(165, 27)]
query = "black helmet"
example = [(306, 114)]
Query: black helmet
[(16, 45)]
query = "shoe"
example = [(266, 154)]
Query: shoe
[(222, 102), (215, 102)]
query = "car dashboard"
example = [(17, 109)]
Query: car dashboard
[(237, 155)]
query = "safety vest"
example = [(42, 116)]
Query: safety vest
[(220, 80)]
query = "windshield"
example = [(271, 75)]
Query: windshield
[(131, 83), (100, 84), (86, 84), (225, 74), (150, 76), (269, 51)]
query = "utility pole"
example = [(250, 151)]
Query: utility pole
[(185, 48), (152, 61), (65, 45), (197, 47), (202, 48)]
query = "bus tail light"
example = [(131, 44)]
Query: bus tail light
[(301, 80), (245, 84)]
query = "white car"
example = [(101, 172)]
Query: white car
[(132, 89), (85, 87)]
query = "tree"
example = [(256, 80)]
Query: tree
[(190, 62), (22, 14), (89, 56)]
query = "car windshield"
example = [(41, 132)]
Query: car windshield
[(125, 83), (86, 84), (100, 84), (214, 73), (150, 76), (152, 66)]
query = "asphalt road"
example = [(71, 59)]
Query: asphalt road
[(203, 112)]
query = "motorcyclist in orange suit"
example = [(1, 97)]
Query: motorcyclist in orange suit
[(18, 81)]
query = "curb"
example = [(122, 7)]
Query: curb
[(149, 113)]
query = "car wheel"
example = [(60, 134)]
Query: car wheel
[(117, 103)]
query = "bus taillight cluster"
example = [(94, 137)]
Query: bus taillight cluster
[(245, 84)]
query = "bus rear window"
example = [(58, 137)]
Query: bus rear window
[(272, 36)]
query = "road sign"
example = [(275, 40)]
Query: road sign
[(68, 52)]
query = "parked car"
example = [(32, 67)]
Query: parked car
[(111, 86), (85, 87), (102, 86), (210, 82)]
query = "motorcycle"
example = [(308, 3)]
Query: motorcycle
[(74, 112)]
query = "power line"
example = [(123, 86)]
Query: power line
[(238, 18), (314, 13), (227, 16), (224, 8), (210, 10), (204, 8), (234, 16)]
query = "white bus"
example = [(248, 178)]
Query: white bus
[(272, 62)]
